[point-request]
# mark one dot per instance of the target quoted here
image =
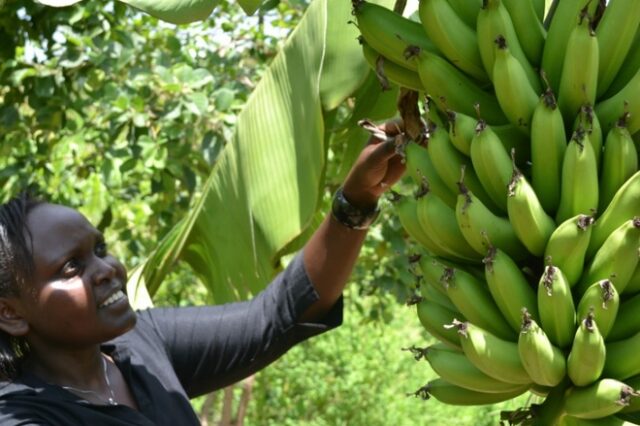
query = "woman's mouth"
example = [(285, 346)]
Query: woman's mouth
[(113, 299)]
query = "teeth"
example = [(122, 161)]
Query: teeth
[(113, 298)]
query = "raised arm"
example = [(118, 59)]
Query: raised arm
[(331, 253)]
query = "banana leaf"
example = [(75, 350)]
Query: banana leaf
[(263, 192)]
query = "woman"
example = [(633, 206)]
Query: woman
[(73, 352)]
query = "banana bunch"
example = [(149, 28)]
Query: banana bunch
[(527, 200)]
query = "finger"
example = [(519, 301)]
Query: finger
[(383, 132), (382, 152), (395, 171), (376, 131)]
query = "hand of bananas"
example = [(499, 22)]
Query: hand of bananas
[(528, 200)]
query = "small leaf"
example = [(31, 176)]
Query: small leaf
[(175, 11), (223, 99), (198, 104)]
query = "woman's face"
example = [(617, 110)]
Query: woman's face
[(76, 296)]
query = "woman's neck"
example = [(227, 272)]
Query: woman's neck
[(82, 369)]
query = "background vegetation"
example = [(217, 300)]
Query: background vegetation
[(123, 117)]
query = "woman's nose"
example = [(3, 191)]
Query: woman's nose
[(103, 270)]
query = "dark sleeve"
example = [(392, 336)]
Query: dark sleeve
[(214, 346)]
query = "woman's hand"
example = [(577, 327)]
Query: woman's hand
[(331, 252), (377, 168)]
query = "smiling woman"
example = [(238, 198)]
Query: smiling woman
[(73, 351)]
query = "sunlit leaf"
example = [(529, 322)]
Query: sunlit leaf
[(176, 11), (344, 68)]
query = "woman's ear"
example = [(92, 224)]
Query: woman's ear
[(11, 321)]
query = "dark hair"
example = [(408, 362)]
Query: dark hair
[(16, 268)]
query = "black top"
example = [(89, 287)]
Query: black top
[(174, 354)]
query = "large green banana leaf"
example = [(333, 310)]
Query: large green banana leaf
[(264, 190)]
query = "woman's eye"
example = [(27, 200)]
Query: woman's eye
[(70, 268), (101, 249)]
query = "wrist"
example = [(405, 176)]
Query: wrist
[(358, 214), (359, 199)]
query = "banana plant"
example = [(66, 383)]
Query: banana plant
[(261, 199)]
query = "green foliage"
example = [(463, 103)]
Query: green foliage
[(110, 111)]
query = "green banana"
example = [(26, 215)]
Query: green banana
[(628, 69), (568, 244), (480, 226), (622, 358), (495, 357), (544, 362), (407, 210), (623, 205), (420, 167), (555, 307), (600, 421), (634, 282), (431, 293), (509, 287), (634, 404), (457, 41), (462, 129), (439, 221), (516, 96), (531, 33), (451, 89), (616, 259), (539, 390), (565, 18), (627, 321), (588, 120), (603, 300), (586, 360), (548, 145), (467, 10), (615, 32), (456, 369), (530, 222), (434, 318), (433, 270), (432, 114), (391, 34), (619, 163), (388, 71), (624, 101), (494, 20), (455, 395), (579, 190), (472, 299), (448, 162), (514, 139), (603, 398), (579, 78), (540, 6), (491, 163)]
